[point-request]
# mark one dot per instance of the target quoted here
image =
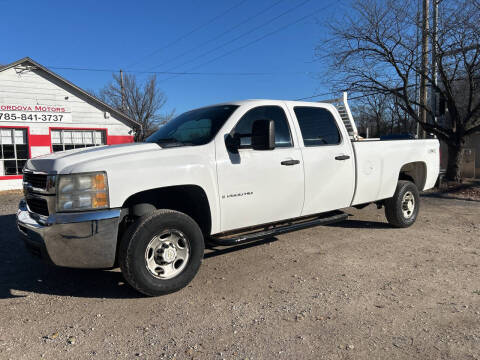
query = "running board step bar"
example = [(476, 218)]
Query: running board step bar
[(282, 228)]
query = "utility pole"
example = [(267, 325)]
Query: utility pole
[(122, 90), (424, 69), (433, 92), (417, 88)]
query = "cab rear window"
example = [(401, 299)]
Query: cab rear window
[(318, 126)]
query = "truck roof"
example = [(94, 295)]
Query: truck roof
[(340, 104), (249, 101)]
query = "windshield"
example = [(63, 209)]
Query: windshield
[(196, 127)]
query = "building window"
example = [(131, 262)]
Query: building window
[(13, 151), (74, 139)]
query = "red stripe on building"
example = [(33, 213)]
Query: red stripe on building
[(119, 139), (39, 140), (11, 177)]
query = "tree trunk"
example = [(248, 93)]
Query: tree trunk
[(454, 162)]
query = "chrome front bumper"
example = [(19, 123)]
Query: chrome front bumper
[(79, 240)]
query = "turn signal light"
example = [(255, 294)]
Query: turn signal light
[(99, 182), (100, 200)]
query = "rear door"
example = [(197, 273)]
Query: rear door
[(260, 186), (328, 158)]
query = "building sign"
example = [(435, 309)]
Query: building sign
[(34, 113)]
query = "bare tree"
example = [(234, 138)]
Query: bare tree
[(370, 112), (382, 115), (142, 103), (376, 51), (376, 105)]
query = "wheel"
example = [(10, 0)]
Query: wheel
[(402, 209), (161, 252)]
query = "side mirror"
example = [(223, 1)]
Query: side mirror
[(263, 135), (232, 142)]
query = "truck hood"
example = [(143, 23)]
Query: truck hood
[(64, 162)]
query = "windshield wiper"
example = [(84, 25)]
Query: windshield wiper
[(167, 140), (171, 142)]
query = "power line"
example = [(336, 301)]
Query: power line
[(314, 96), (181, 37), (208, 52), (179, 72), (256, 40), (222, 34), (332, 92)]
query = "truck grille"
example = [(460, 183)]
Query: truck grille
[(37, 205), (38, 181)]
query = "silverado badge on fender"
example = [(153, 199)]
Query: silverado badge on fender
[(237, 195)]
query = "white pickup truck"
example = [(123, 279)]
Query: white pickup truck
[(222, 174)]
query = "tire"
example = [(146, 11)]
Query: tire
[(161, 252), (399, 209)]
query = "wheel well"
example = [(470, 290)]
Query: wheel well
[(415, 172), (188, 199)]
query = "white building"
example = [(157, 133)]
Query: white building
[(41, 112)]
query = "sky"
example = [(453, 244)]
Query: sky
[(230, 50)]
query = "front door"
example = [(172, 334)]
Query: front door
[(260, 186)]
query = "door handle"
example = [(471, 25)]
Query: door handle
[(342, 157), (290, 162)]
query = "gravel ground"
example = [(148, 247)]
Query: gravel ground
[(468, 190), (356, 290)]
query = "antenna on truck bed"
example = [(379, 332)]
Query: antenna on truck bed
[(344, 110)]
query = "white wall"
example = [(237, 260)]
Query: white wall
[(14, 184), (20, 86), (38, 88)]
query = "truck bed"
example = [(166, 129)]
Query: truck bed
[(378, 165)]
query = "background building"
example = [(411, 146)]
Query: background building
[(41, 112)]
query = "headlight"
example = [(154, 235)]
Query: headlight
[(82, 192)]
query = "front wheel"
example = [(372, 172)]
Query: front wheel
[(402, 209), (161, 252)]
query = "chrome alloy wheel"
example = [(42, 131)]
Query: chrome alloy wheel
[(167, 254), (408, 205)]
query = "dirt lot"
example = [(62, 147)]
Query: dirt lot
[(356, 290)]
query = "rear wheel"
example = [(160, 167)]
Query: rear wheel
[(161, 252), (402, 209)]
